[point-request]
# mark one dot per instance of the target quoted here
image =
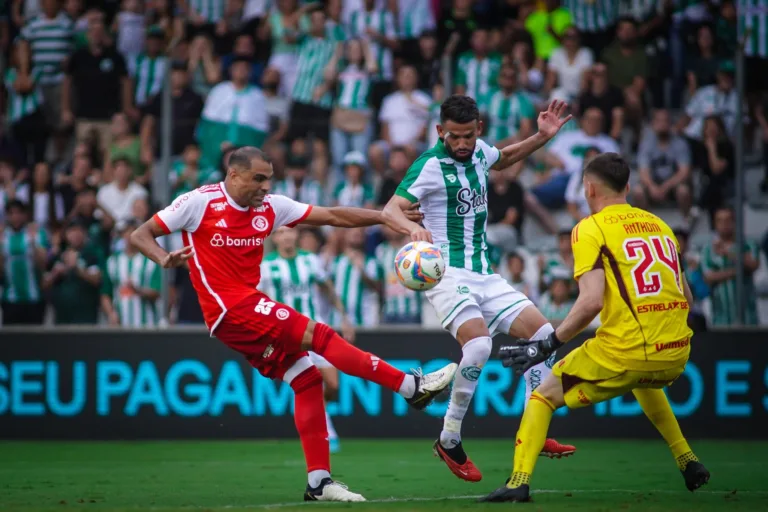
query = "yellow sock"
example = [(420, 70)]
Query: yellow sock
[(530, 439), (656, 407)]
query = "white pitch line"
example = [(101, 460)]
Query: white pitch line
[(476, 496)]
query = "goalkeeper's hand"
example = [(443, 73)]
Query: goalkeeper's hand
[(524, 354)]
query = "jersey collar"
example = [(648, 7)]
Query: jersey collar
[(231, 201)]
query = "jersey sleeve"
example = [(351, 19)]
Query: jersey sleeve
[(587, 245), (419, 181), (492, 154), (184, 214), (287, 211)]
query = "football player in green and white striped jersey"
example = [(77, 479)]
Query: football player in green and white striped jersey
[(450, 182), (294, 277), (130, 287)]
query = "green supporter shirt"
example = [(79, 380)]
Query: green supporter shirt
[(21, 276), (74, 300)]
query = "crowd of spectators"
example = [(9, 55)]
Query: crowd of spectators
[(343, 95)]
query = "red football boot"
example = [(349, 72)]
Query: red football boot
[(465, 470), (555, 450)]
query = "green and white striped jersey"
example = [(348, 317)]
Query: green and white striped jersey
[(357, 196), (21, 277), (399, 301), (593, 15), (309, 192), (148, 74), (505, 113), (335, 31), (478, 76), (753, 18), (454, 201), (383, 22), (414, 18), (279, 45), (22, 105), (314, 55), (139, 271), (354, 86), (360, 302), (51, 41), (211, 10), (555, 266), (293, 281), (551, 311), (723, 294)]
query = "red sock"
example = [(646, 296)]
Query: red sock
[(309, 415), (353, 361)]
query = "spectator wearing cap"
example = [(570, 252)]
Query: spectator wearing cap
[(297, 184), (352, 190), (351, 118), (510, 113), (312, 98), (664, 164), (721, 99), (186, 106), (117, 197), (234, 114), (130, 286), (97, 79), (23, 253), (74, 278), (148, 68), (477, 71), (403, 119)]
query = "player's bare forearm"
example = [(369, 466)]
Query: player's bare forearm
[(144, 239), (343, 217), (394, 217), (588, 305), (516, 152)]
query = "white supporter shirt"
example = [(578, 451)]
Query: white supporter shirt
[(710, 101), (119, 203), (228, 240), (569, 73), (569, 147), (405, 116)]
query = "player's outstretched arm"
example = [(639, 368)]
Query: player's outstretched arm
[(549, 123), (396, 216), (145, 240), (346, 217), (587, 306)]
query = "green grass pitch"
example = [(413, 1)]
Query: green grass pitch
[(395, 475)]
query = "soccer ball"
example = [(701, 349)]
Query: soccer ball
[(419, 266)]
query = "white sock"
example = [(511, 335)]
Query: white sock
[(315, 477), (408, 387), (536, 375), (475, 354), (329, 425)]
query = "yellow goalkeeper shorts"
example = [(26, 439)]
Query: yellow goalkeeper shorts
[(585, 382)]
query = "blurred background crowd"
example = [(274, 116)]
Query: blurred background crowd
[(343, 95)]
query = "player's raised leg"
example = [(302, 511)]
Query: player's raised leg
[(656, 407), (417, 389), (531, 324)]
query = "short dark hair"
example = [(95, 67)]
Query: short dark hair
[(242, 157), (611, 169), (459, 109), (15, 204)]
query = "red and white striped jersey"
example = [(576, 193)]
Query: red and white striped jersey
[(228, 240)]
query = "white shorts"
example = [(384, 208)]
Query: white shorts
[(319, 361), (463, 295)]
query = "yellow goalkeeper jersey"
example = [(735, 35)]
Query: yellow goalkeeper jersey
[(645, 312)]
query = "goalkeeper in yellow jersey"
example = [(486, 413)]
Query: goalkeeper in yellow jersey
[(626, 261)]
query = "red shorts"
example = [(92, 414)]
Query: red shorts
[(266, 332)]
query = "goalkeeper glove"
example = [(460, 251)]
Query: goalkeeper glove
[(524, 354)]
